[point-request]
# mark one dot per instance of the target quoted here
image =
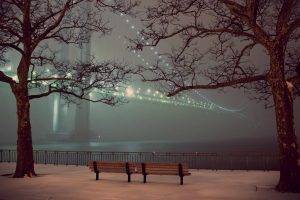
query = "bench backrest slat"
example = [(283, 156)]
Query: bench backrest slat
[(150, 168)]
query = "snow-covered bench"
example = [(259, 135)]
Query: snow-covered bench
[(177, 169)]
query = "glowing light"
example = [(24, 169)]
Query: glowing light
[(55, 113), (129, 92)]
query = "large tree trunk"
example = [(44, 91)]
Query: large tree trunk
[(287, 142), (25, 162)]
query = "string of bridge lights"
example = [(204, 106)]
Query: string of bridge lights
[(138, 94), (149, 95)]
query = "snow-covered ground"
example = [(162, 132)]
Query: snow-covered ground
[(71, 182)]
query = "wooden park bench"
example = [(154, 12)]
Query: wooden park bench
[(145, 169)]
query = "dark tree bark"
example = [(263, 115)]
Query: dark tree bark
[(25, 162), (287, 141)]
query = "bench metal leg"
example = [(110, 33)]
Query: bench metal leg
[(97, 175), (129, 177), (144, 172), (180, 173), (145, 178)]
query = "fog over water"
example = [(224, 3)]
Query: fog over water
[(150, 126)]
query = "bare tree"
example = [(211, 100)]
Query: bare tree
[(31, 28), (232, 30)]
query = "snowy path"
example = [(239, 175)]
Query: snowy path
[(61, 182)]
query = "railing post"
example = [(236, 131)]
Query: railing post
[(140, 154), (67, 157), (216, 162), (197, 163), (153, 154), (77, 158), (212, 162), (247, 163), (34, 156), (56, 158), (9, 156), (45, 157), (1, 154)]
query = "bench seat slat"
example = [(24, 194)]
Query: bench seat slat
[(113, 171)]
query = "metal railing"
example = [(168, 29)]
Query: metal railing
[(214, 161)]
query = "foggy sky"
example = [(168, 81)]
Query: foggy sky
[(148, 121)]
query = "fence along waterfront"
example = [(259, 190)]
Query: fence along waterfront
[(196, 160)]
